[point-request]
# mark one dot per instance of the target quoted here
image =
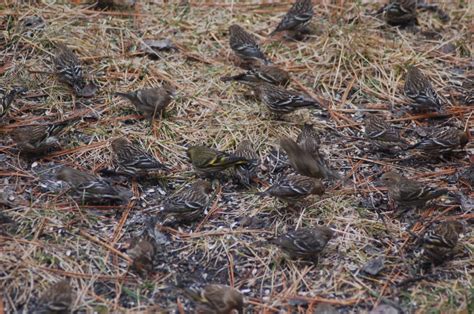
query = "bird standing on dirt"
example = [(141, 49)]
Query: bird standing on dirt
[(297, 17), (418, 88), (246, 172), (217, 299), (261, 73), (439, 244), (57, 298), (294, 188), (441, 141), (383, 135), (207, 161), (401, 13), (308, 139), (69, 68), (245, 45)]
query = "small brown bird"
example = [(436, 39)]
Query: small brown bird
[(262, 73), (308, 139), (217, 299), (246, 172), (69, 68), (305, 243), (151, 102), (299, 15), (57, 298), (294, 188), (91, 189), (409, 193), (401, 13), (133, 160), (142, 251), (442, 141), (379, 132), (245, 44), (207, 161), (8, 98), (418, 88), (306, 163), (439, 243), (105, 4), (189, 204)]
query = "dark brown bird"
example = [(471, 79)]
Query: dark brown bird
[(294, 188), (8, 98), (151, 102), (379, 132), (262, 73), (217, 299), (142, 250), (308, 139), (207, 161), (442, 141), (57, 299), (439, 243), (401, 13), (245, 44), (133, 160), (418, 88), (304, 243), (299, 15), (68, 68), (246, 172), (409, 193)]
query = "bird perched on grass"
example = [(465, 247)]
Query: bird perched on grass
[(207, 161), (308, 139), (187, 205), (418, 88), (246, 172), (217, 299), (442, 141), (8, 98), (294, 188), (304, 243), (91, 189), (408, 193), (57, 298), (383, 135), (245, 45), (133, 161), (439, 244), (69, 68), (306, 163), (262, 73), (151, 102), (297, 17), (401, 13)]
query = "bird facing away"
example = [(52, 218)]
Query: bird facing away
[(217, 299), (90, 189), (418, 88), (294, 188), (383, 135), (442, 141), (308, 139), (208, 161), (68, 68), (401, 13), (133, 160), (439, 243), (189, 204), (262, 73), (408, 193), (306, 163), (8, 98), (304, 243), (246, 172), (57, 298), (151, 102), (245, 44), (297, 17)]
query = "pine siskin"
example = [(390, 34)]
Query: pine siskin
[(245, 44), (217, 299), (439, 244), (133, 160), (378, 131), (294, 188), (57, 298), (299, 15), (208, 161), (246, 172), (189, 204), (308, 139), (306, 163), (151, 102), (443, 141), (401, 13), (69, 68), (262, 73), (105, 4), (409, 193), (89, 188), (142, 251), (418, 87), (8, 98), (304, 243)]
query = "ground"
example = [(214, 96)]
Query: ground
[(352, 63)]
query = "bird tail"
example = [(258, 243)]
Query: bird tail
[(237, 77), (129, 96)]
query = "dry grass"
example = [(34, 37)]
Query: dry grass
[(353, 63)]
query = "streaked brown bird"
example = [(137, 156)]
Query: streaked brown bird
[(246, 172), (441, 141), (187, 205), (261, 73), (8, 98), (142, 250), (297, 17), (439, 244), (207, 161), (306, 163), (217, 299), (151, 102), (383, 135), (294, 188), (401, 13), (308, 139), (91, 189), (418, 88), (68, 68), (408, 193), (245, 45), (304, 243), (133, 160), (57, 298)]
